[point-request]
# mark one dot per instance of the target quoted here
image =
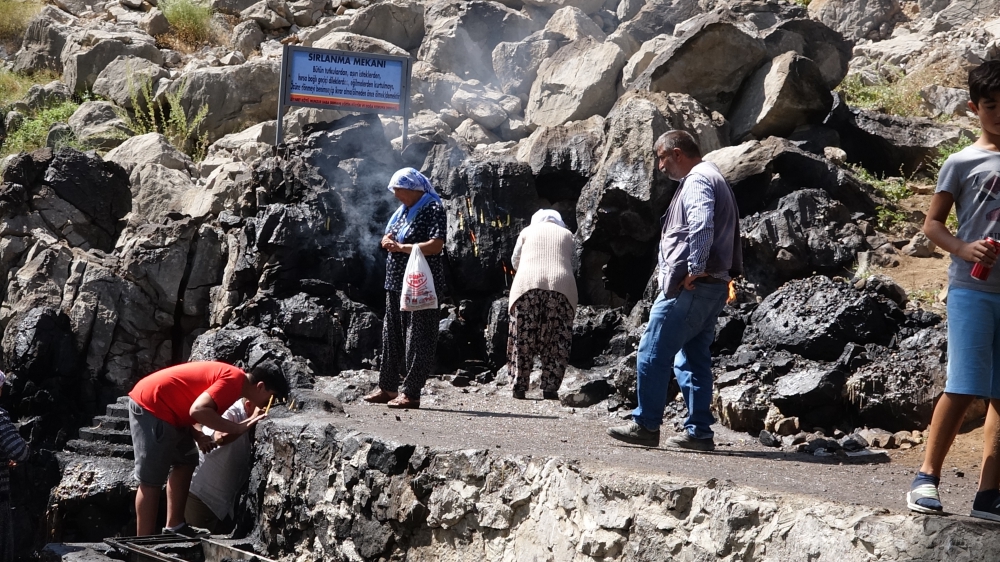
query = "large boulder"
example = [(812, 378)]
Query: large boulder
[(817, 317), (516, 63), (151, 148), (814, 40), (461, 36), (640, 60), (237, 95), (270, 15), (83, 60), (786, 93), (355, 43), (868, 19), (158, 191), (586, 6), (956, 13), (571, 24), (398, 22), (98, 125), (657, 17), (123, 79), (43, 41), (578, 81), (709, 62)]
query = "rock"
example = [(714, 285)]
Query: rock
[(878, 438), (483, 111), (656, 17), (814, 40), (959, 12), (639, 61), (920, 246), (325, 26), (497, 332), (885, 286), (946, 101), (817, 317), (585, 393), (461, 36), (123, 79), (247, 37), (151, 148), (270, 15), (389, 457), (768, 440), (75, 7), (806, 232), (473, 134), (158, 191), (97, 124), (233, 58), (343, 41), (306, 13), (709, 63), (42, 97), (398, 22), (238, 95), (562, 92), (586, 6), (787, 426), (741, 407), (572, 24), (814, 395), (43, 42), (869, 20), (896, 390), (154, 22), (627, 9), (231, 7), (835, 155), (516, 63), (785, 93), (563, 151), (888, 145), (83, 65)]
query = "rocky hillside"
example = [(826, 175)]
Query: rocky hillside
[(123, 253)]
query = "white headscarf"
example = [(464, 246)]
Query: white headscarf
[(548, 215), (410, 178)]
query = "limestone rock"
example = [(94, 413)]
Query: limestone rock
[(306, 13), (920, 246), (516, 64), (247, 37), (639, 61), (158, 191), (946, 101), (399, 22), (812, 39), (656, 17), (573, 24), (43, 41), (461, 36), (483, 111), (473, 134), (586, 6), (785, 93), (871, 19), (82, 65), (151, 148), (270, 15), (97, 124), (231, 7), (124, 77), (578, 81), (959, 12), (41, 97), (154, 22), (709, 62), (343, 41)]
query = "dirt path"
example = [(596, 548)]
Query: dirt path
[(488, 418)]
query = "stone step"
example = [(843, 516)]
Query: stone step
[(110, 422), (100, 449), (118, 410), (106, 435)]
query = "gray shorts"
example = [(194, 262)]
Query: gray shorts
[(158, 446)]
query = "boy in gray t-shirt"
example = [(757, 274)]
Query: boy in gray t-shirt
[(969, 180)]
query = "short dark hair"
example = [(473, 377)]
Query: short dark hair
[(984, 81), (269, 373), (678, 139)]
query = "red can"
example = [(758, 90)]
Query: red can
[(980, 271)]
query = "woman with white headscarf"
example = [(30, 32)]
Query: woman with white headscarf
[(542, 303), (409, 339)]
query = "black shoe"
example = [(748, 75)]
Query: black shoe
[(635, 433), (683, 440), (550, 395), (519, 395), (186, 530)]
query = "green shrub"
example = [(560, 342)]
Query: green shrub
[(31, 135), (190, 20), (172, 121), (887, 218), (14, 18), (947, 149), (893, 189), (14, 86), (897, 96)]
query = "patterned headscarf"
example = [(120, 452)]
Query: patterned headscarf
[(410, 178), (547, 215)]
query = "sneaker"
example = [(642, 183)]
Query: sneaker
[(185, 530), (635, 433), (550, 395), (987, 505), (923, 495), (683, 440)]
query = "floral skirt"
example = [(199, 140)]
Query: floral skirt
[(541, 323)]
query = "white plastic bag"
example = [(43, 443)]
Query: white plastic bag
[(418, 284)]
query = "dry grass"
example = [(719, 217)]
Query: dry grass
[(14, 18), (14, 86), (191, 25), (900, 94)]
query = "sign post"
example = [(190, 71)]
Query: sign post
[(346, 81)]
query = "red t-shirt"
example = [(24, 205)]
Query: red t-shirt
[(169, 393)]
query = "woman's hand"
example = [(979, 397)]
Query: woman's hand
[(394, 246), (979, 251), (387, 240)]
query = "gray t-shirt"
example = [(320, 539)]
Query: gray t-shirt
[(972, 176)]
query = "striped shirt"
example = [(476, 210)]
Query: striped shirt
[(12, 448)]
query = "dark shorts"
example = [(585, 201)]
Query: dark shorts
[(158, 446)]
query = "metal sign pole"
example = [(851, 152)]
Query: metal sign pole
[(282, 82)]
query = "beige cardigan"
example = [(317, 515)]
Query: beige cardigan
[(543, 259)]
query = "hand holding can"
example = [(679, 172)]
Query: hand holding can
[(980, 271)]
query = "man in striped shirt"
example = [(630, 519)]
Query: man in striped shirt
[(13, 449), (700, 252)]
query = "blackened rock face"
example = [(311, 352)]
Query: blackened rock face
[(817, 317), (98, 189)]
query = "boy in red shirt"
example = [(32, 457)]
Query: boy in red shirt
[(166, 410)]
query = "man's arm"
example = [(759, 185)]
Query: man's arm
[(204, 411), (699, 209)]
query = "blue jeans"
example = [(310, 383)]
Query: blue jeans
[(677, 339)]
